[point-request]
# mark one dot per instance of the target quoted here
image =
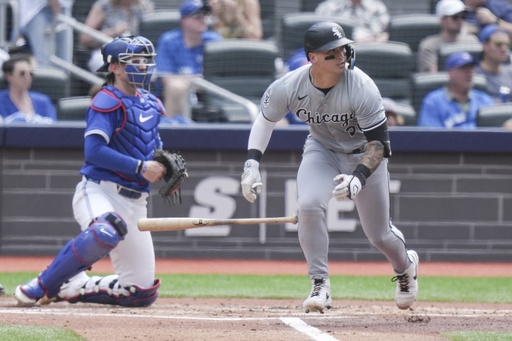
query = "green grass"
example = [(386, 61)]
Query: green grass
[(32, 333), (435, 289), (478, 336)]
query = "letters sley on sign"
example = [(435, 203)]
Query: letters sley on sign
[(216, 197)]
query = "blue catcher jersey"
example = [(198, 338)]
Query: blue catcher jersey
[(130, 126)]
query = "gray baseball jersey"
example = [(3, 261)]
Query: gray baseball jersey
[(336, 120), (337, 123)]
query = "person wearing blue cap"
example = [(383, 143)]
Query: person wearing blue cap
[(455, 105), (495, 64), (180, 57)]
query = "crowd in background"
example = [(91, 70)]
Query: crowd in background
[(180, 51)]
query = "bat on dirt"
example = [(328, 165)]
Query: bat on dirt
[(173, 224)]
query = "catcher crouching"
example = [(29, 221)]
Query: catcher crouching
[(123, 155)]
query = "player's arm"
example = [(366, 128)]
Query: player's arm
[(377, 148), (97, 152), (259, 138)]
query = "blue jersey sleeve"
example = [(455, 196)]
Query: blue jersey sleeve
[(99, 154)]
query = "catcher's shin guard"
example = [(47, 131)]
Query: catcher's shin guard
[(107, 290), (80, 253)]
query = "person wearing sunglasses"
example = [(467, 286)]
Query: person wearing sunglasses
[(18, 103), (495, 64), (451, 15)]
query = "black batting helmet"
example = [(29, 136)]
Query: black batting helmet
[(324, 36)]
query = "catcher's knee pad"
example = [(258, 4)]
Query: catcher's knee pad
[(91, 245), (107, 290), (100, 237)]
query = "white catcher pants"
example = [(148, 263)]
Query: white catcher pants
[(134, 258)]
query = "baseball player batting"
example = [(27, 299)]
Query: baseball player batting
[(345, 156), (120, 138)]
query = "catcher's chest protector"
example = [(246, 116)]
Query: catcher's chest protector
[(138, 134)]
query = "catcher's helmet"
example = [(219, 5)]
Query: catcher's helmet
[(138, 53), (325, 36)]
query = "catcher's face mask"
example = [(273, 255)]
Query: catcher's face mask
[(140, 61), (136, 53)]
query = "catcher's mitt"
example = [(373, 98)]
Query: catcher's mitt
[(176, 174)]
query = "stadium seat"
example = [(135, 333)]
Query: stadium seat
[(245, 67), (73, 108), (412, 28), (295, 25), (389, 64), (242, 66), (52, 82), (268, 18), (424, 82), (166, 4), (474, 49), (309, 5), (494, 116), (153, 24)]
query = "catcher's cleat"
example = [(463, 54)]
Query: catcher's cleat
[(407, 283), (320, 296), (29, 293), (2, 290)]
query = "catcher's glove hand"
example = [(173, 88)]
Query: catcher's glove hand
[(175, 175)]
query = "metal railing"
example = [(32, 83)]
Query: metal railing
[(251, 109), (64, 64)]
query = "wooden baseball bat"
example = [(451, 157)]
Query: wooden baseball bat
[(173, 224)]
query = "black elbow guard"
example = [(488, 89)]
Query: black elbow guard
[(381, 134)]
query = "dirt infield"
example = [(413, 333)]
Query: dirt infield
[(256, 319)]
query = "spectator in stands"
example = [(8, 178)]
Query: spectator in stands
[(179, 57), (36, 18), (18, 104), (114, 18), (296, 60), (486, 12), (451, 15), (236, 18), (371, 17), (393, 118), (495, 62), (457, 104)]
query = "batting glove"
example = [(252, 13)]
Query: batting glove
[(251, 180), (348, 188)]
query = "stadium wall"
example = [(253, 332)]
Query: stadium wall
[(451, 194)]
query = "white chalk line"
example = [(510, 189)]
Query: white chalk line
[(304, 328), (296, 323)]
